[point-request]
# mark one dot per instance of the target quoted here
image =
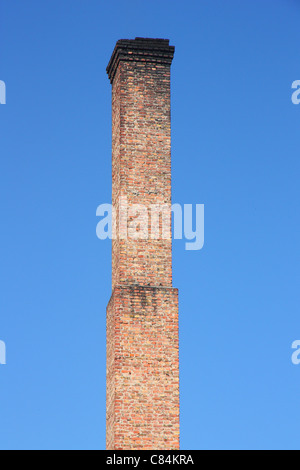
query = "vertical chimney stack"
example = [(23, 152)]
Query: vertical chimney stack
[(142, 314)]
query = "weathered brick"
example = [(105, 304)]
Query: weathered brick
[(142, 315)]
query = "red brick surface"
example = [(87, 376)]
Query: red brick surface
[(142, 315), (142, 368)]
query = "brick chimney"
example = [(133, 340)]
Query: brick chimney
[(142, 314)]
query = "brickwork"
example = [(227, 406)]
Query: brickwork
[(143, 394), (142, 315)]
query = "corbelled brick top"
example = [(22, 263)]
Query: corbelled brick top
[(140, 49)]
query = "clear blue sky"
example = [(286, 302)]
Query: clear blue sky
[(235, 148)]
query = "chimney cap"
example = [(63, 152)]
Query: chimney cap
[(140, 49)]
